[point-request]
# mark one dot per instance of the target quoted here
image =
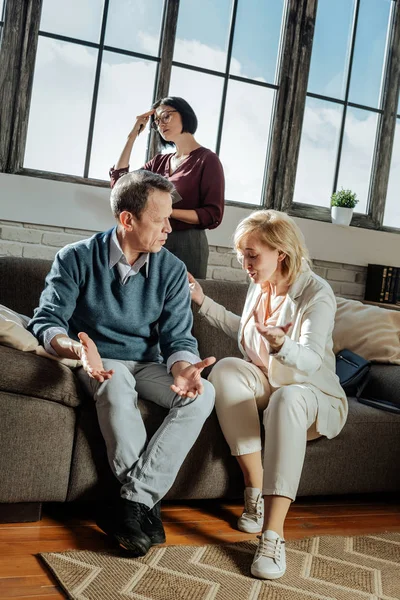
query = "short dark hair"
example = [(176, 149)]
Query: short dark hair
[(188, 116), (132, 191)]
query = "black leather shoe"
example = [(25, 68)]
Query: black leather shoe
[(152, 525), (125, 523), (130, 530)]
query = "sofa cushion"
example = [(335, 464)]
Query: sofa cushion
[(383, 384), (37, 440), (363, 458), (13, 331), (24, 279), (370, 331), (27, 374), (212, 343)]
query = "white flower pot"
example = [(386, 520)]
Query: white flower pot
[(341, 215)]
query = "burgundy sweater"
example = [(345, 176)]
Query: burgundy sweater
[(199, 180)]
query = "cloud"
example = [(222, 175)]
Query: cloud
[(318, 152)]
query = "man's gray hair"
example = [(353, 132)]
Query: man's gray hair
[(132, 191)]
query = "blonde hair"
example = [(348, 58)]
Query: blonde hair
[(278, 231)]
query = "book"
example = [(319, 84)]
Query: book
[(383, 284)]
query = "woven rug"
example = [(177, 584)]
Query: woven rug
[(325, 567)]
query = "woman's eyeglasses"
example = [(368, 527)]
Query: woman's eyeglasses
[(164, 118)]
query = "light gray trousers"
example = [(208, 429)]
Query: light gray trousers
[(146, 468)]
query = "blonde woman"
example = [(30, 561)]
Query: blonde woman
[(287, 372)]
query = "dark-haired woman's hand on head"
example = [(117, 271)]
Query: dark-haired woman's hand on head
[(141, 122), (196, 291)]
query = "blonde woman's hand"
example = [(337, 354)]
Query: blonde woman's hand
[(196, 291), (275, 336)]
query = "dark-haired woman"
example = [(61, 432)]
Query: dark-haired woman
[(196, 173)]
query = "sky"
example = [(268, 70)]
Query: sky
[(64, 79)]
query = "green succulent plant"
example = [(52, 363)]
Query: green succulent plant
[(344, 199)]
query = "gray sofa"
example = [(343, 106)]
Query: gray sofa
[(51, 449)]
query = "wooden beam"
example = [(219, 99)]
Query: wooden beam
[(290, 103), (163, 77), (386, 125), (17, 61)]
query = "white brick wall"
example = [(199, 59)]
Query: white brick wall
[(43, 241), (36, 241)]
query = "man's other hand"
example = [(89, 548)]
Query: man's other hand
[(188, 382)]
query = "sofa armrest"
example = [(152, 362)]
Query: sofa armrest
[(28, 374)]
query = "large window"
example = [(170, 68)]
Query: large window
[(297, 97), (344, 101), (94, 74), (225, 62), (95, 71), (392, 207)]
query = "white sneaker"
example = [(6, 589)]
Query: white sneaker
[(252, 517), (270, 559)]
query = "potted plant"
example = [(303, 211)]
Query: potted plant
[(342, 206)]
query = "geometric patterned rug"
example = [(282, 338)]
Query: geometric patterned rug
[(363, 567)]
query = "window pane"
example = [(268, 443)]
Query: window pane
[(203, 33), (369, 52), (1, 9), (203, 92), (357, 152), (60, 108), (392, 208), (332, 37), (116, 111), (256, 39), (318, 150), (79, 19), (134, 25), (245, 140)]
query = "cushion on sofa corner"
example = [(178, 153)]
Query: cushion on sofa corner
[(370, 331), (27, 374), (13, 333)]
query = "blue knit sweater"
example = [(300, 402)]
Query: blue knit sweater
[(147, 319)]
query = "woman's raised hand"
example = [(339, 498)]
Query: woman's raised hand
[(141, 122), (275, 336), (196, 290)]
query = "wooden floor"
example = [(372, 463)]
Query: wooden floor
[(23, 576)]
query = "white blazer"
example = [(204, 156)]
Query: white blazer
[(306, 356)]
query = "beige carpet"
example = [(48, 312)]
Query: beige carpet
[(325, 567)]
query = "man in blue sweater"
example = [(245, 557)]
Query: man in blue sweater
[(120, 303)]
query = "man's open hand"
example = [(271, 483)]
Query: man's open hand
[(91, 359), (188, 381)]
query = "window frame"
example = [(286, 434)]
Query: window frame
[(379, 176), (18, 53)]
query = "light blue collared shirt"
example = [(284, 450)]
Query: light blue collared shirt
[(125, 271), (117, 257)]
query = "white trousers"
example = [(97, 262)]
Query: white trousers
[(289, 416)]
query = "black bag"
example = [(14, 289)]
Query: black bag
[(353, 372)]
